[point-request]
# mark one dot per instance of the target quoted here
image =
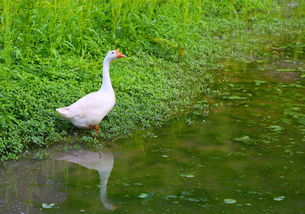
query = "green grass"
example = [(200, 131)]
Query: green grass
[(51, 54)]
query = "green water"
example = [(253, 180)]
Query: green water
[(242, 151)]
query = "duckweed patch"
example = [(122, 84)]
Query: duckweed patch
[(47, 206), (279, 198), (187, 175), (229, 201)]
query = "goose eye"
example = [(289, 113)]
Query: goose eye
[(112, 52)]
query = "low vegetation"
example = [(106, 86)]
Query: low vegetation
[(51, 54)]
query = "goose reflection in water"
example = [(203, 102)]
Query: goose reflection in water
[(100, 161)]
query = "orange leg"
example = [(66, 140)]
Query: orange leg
[(95, 128)]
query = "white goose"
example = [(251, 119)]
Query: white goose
[(89, 110)]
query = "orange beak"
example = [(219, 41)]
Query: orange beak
[(119, 54)]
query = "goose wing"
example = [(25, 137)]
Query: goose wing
[(81, 107)]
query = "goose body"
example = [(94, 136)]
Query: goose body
[(89, 110)]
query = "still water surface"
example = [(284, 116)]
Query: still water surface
[(241, 152)]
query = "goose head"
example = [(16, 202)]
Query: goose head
[(115, 54)]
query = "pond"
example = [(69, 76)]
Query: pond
[(242, 151)]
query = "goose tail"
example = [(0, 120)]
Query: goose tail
[(64, 112)]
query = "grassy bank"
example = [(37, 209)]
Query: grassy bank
[(51, 54)]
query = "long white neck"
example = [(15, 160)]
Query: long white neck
[(106, 85)]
